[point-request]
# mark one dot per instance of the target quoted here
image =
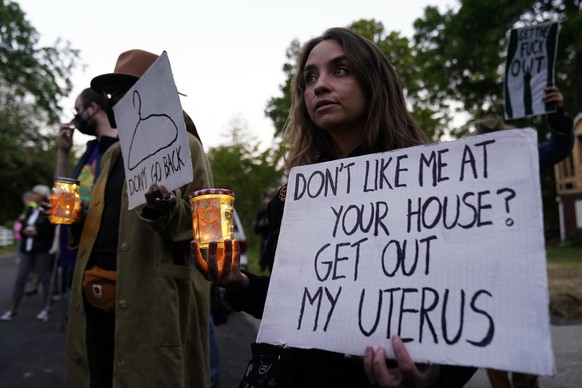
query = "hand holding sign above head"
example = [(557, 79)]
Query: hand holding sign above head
[(529, 68), (553, 95)]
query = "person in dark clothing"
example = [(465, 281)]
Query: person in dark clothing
[(551, 151), (262, 229), (138, 313), (37, 239), (347, 101), (561, 125), (90, 119)]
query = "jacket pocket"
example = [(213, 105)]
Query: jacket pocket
[(174, 293)]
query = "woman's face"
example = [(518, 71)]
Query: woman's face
[(333, 95)]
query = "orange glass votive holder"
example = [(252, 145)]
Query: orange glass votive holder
[(212, 216), (65, 201)]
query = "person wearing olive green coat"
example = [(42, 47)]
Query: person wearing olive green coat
[(160, 323)]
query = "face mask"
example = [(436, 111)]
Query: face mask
[(84, 126)]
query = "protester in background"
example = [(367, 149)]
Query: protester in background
[(262, 229), (90, 119), (32, 280), (138, 314), (551, 151), (561, 136), (17, 227), (37, 238), (346, 101)]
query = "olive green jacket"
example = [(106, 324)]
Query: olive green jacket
[(162, 301)]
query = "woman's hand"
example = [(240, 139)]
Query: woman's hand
[(229, 276), (407, 374)]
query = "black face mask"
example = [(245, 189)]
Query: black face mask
[(84, 126)]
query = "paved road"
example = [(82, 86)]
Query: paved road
[(32, 353)]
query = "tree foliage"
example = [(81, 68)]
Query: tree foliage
[(461, 56), (278, 107), (245, 169), (33, 80), (29, 71), (396, 47), (452, 69), (26, 159), (461, 52)]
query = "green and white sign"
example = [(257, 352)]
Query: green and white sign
[(529, 68)]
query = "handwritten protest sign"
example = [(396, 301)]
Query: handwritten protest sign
[(152, 133), (440, 244), (529, 68)]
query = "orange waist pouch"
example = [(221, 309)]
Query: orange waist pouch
[(99, 288)]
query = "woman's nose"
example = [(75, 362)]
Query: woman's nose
[(322, 84)]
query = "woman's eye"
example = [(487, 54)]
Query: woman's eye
[(341, 70), (309, 78)]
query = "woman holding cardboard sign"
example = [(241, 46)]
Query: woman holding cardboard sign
[(346, 101)]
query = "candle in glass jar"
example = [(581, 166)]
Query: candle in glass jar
[(65, 201), (212, 216)]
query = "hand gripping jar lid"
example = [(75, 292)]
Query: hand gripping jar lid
[(211, 191)]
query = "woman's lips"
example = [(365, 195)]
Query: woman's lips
[(323, 104)]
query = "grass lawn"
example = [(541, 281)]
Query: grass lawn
[(564, 255), (8, 249)]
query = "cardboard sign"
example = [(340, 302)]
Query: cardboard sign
[(440, 244), (529, 68), (152, 133)]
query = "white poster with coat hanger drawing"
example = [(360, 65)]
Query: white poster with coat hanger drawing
[(440, 244), (529, 68), (152, 133)]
